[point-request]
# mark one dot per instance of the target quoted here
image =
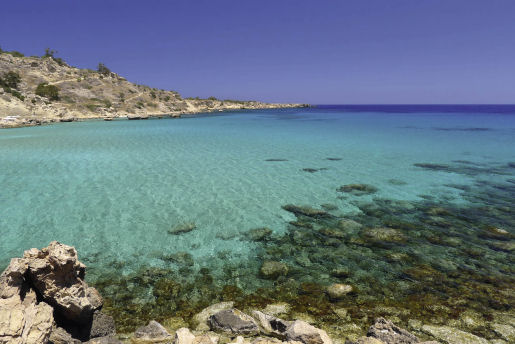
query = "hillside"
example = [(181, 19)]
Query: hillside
[(87, 94)]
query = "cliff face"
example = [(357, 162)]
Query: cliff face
[(88, 94)]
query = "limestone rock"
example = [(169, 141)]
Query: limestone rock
[(451, 335), (368, 340), (233, 321), (387, 332), (184, 336), (102, 325), (337, 291), (182, 228), (303, 332), (201, 319), (272, 269), (104, 340), (505, 331), (275, 309), (60, 336), (58, 276), (271, 325), (153, 332)]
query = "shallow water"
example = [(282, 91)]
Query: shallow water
[(115, 190)]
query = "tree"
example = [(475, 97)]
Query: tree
[(102, 69), (49, 52)]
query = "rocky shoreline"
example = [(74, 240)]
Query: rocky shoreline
[(45, 299), (85, 94)]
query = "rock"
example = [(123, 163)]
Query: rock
[(368, 340), (349, 225), (102, 325), (306, 211), (261, 340), (337, 291), (332, 232), (505, 331), (383, 234), (451, 335), (258, 234), (340, 272), (303, 332), (387, 332), (358, 189), (104, 340), (270, 325), (184, 336), (202, 319), (153, 332), (60, 336), (58, 276), (272, 269), (233, 321), (182, 228)]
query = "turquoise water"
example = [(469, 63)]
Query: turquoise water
[(114, 190)]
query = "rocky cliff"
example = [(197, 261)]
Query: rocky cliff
[(28, 95)]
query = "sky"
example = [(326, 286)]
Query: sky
[(318, 52)]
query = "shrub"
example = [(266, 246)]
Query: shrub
[(153, 94), (92, 107), (212, 98), (49, 91), (17, 95), (167, 98), (102, 69), (14, 53), (107, 103), (11, 79), (49, 52)]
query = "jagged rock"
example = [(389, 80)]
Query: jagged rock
[(270, 325), (337, 291), (233, 321), (58, 276), (451, 335), (201, 319), (184, 336), (303, 332), (272, 269), (102, 325), (60, 336), (386, 331), (153, 332)]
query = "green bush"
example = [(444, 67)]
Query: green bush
[(17, 95), (49, 91), (153, 94), (10, 79)]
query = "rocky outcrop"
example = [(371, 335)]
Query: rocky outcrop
[(233, 321), (387, 332), (43, 297), (303, 332)]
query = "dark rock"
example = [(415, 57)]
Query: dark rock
[(258, 234), (358, 189), (306, 211), (276, 160), (104, 340), (387, 332), (273, 269), (60, 336), (182, 228), (233, 321), (102, 325)]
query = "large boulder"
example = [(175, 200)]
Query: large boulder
[(154, 332), (233, 321), (452, 335), (389, 333), (58, 276), (201, 320)]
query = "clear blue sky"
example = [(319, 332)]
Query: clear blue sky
[(320, 52)]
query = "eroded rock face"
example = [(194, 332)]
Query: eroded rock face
[(40, 285), (387, 332), (56, 273)]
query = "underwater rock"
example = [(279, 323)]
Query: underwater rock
[(272, 269), (310, 170), (396, 182), (329, 207), (305, 210), (303, 332), (258, 234), (358, 189), (233, 321), (349, 225), (383, 234), (201, 320), (181, 258), (505, 246), (182, 228), (153, 332), (337, 290), (340, 272), (275, 309), (387, 332), (102, 325), (276, 160), (492, 232), (452, 335), (332, 232), (333, 159)]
